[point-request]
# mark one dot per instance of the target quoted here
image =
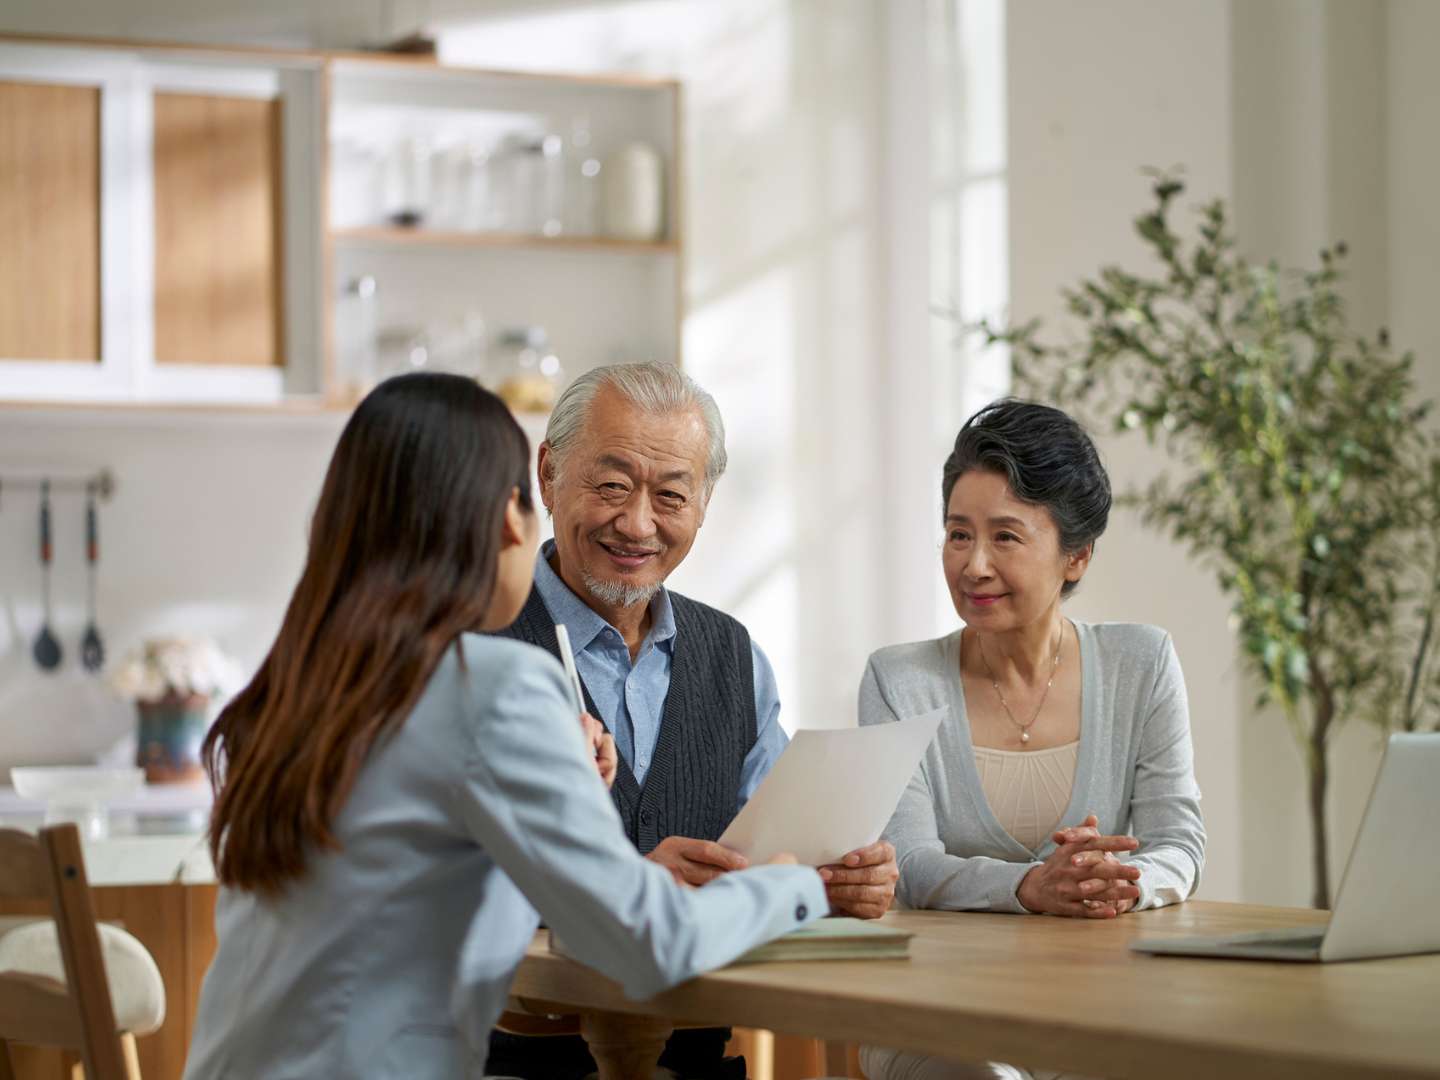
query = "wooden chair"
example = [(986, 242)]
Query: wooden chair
[(36, 1010)]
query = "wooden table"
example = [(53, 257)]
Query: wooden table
[(1051, 993)]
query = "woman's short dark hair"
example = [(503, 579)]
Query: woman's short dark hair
[(1048, 460)]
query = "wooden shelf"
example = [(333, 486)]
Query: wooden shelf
[(303, 406), (506, 241)]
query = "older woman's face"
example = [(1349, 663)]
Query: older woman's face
[(1002, 556)]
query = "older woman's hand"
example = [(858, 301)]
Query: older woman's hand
[(1082, 876)]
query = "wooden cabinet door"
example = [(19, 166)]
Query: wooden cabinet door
[(217, 230), (49, 222)]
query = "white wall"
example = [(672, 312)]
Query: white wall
[(1411, 31), (1335, 141), (1097, 92), (205, 534)]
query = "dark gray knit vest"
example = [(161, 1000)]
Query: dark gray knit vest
[(707, 727)]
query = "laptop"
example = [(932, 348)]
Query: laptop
[(1387, 904)]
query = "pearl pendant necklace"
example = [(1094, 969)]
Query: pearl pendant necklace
[(1024, 732)]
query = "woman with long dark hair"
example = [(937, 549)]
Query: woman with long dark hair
[(399, 800)]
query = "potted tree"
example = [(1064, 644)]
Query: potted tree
[(1305, 475)]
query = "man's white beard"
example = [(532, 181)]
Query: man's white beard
[(618, 595)]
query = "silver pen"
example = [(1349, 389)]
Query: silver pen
[(572, 673)]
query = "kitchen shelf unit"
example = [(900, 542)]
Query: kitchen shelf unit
[(601, 299)]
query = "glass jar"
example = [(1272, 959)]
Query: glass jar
[(407, 183), (355, 339), (525, 372)]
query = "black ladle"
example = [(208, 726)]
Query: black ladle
[(47, 649), (92, 649)]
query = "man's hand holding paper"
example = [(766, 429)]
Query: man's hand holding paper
[(827, 799), (694, 862), (864, 884)]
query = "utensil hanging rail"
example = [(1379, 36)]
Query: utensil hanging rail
[(100, 481)]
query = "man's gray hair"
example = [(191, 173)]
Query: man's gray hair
[(654, 387)]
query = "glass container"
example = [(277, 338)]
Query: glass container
[(355, 344), (407, 183), (525, 372)]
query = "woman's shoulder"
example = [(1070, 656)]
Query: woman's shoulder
[(484, 681), (1116, 638), (487, 648), (913, 659), (500, 661), (480, 675)]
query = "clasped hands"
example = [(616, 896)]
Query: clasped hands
[(862, 886), (1083, 876)]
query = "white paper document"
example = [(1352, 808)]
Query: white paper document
[(831, 792)]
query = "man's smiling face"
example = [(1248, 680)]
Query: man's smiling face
[(627, 501)]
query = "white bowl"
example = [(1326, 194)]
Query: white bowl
[(77, 793)]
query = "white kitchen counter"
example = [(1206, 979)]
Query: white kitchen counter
[(149, 860), (156, 836)]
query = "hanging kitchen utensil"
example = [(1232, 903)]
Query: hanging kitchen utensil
[(92, 649), (47, 648)]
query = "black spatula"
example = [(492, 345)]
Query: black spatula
[(47, 649), (92, 649)]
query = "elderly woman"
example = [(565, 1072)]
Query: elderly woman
[(1062, 736)]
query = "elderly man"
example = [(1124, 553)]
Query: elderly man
[(627, 467)]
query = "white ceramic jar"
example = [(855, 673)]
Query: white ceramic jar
[(634, 178)]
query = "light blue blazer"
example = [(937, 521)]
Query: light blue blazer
[(393, 956)]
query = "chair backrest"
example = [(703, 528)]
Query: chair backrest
[(41, 1011)]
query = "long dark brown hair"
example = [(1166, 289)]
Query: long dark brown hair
[(402, 559)]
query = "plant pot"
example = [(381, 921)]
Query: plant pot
[(171, 731)]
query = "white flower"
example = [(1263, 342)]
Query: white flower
[(181, 665)]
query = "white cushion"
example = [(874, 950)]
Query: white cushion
[(136, 990)]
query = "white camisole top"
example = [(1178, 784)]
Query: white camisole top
[(1028, 789)]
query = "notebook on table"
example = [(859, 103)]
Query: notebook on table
[(840, 938)]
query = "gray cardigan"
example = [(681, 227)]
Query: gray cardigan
[(1135, 772)]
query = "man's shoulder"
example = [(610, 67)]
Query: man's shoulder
[(694, 614)]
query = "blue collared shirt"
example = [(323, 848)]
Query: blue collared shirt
[(631, 696)]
